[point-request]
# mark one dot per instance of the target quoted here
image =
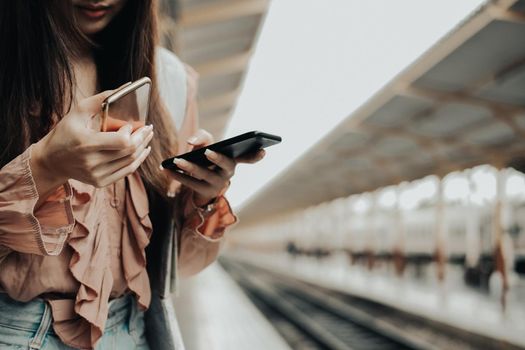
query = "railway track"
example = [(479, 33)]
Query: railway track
[(310, 317)]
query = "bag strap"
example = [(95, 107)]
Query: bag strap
[(173, 89)]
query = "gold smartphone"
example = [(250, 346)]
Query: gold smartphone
[(128, 104)]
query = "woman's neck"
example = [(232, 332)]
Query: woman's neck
[(85, 76)]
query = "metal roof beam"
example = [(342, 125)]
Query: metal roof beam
[(222, 101), (428, 144), (502, 14), (391, 167), (217, 121), (431, 144), (460, 97), (501, 111), (222, 11), (231, 64)]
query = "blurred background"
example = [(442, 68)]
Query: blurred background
[(392, 215)]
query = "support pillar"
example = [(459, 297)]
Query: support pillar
[(440, 232)]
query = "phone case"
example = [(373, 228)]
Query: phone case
[(137, 109), (233, 147)]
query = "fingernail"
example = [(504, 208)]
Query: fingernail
[(192, 140), (183, 164), (211, 154)]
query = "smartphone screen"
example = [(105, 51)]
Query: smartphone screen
[(131, 107), (128, 104)]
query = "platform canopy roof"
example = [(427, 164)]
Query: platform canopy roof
[(215, 37), (459, 105)]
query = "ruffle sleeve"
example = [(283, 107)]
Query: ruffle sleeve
[(23, 227), (202, 230), (211, 221)]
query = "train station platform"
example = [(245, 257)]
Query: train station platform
[(215, 314), (449, 303)]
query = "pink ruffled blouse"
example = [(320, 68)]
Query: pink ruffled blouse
[(86, 245)]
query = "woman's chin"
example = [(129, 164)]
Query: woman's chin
[(90, 28)]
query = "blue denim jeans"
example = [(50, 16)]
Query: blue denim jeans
[(28, 326)]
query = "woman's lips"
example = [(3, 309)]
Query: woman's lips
[(94, 13)]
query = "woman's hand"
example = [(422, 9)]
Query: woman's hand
[(207, 183), (72, 150)]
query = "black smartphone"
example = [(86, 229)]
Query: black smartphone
[(233, 147)]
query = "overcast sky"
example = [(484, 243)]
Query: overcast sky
[(318, 61)]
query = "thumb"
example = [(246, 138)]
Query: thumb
[(200, 139), (125, 129)]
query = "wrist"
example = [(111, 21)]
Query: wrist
[(202, 202), (42, 171)]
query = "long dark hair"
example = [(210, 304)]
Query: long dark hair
[(39, 40)]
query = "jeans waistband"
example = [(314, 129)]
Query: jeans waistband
[(27, 315)]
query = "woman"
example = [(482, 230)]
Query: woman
[(77, 205)]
